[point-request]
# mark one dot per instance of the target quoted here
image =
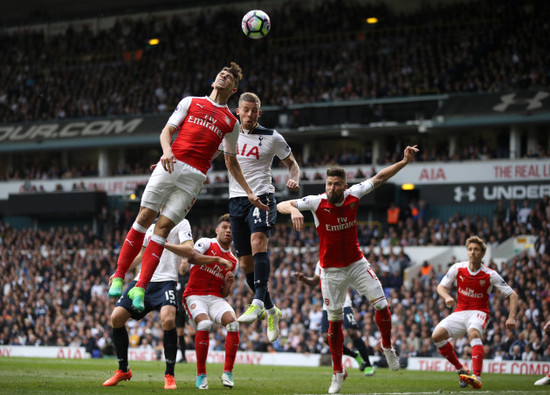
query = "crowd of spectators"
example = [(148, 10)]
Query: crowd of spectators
[(54, 287), (323, 53)]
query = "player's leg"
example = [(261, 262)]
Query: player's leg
[(178, 198), (365, 281), (168, 323), (197, 308), (475, 327), (232, 340), (119, 317), (352, 329), (131, 248), (159, 186), (181, 320), (333, 289), (453, 326)]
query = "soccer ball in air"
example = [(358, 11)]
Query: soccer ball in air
[(256, 24)]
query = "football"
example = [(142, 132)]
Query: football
[(256, 24)]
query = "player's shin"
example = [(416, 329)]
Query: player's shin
[(446, 349), (130, 249), (121, 343), (262, 268), (151, 259), (170, 349), (202, 341), (382, 317), (478, 353), (231, 345), (335, 343)]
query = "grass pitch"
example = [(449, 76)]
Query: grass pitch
[(56, 376)]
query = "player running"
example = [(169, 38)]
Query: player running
[(204, 301), (350, 325), (202, 123), (256, 148), (474, 283), (342, 262)]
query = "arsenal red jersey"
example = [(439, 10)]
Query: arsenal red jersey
[(473, 289), (201, 125), (209, 279), (337, 225)]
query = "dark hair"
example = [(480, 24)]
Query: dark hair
[(224, 218), (336, 172), (237, 72)]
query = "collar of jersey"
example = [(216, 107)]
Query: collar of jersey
[(251, 130)]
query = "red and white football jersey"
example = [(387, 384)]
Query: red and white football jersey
[(473, 289), (209, 279), (337, 225), (201, 125)]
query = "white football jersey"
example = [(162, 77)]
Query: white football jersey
[(167, 270), (256, 149), (347, 302)]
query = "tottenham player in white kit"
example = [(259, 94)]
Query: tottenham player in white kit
[(160, 294), (204, 301), (342, 262), (256, 148), (202, 123), (474, 283), (350, 325)]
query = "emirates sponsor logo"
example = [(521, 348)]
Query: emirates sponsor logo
[(470, 293)]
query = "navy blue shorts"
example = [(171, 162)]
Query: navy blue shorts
[(349, 320), (157, 295), (247, 219)]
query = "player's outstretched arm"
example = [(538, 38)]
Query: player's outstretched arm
[(289, 207), (234, 168), (194, 257), (388, 172)]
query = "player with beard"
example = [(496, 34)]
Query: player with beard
[(342, 262)]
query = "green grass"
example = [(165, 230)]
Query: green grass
[(56, 376)]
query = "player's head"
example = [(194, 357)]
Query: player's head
[(476, 249), (228, 78), (249, 110), (223, 231), (335, 184)]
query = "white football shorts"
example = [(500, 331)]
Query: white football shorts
[(460, 322), (335, 282), (176, 191), (214, 306)]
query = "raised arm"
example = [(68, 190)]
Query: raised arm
[(388, 172), (186, 250)]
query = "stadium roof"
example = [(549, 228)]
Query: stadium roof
[(35, 11)]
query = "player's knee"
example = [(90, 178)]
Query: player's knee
[(205, 325), (168, 323), (380, 304), (335, 315), (232, 326)]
